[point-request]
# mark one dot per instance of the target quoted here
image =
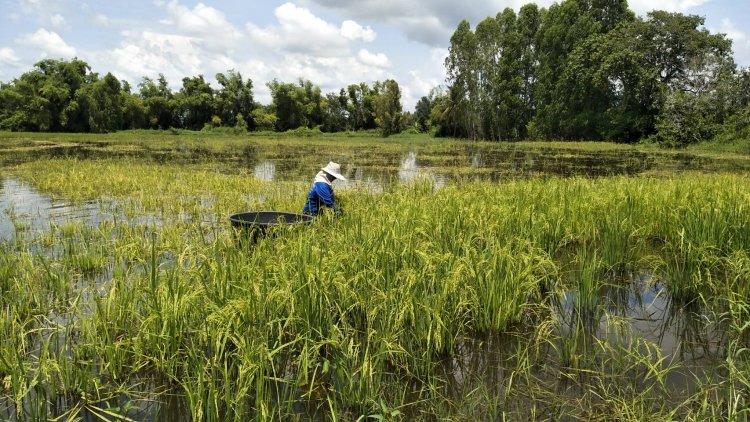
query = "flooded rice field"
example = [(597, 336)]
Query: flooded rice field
[(464, 282), (387, 163)]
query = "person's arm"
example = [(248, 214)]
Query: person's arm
[(325, 193)]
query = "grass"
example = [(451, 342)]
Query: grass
[(353, 318)]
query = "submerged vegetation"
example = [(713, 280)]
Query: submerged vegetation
[(618, 297)]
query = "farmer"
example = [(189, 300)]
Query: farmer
[(321, 193)]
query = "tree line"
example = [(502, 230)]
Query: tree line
[(588, 70), (66, 96), (578, 70)]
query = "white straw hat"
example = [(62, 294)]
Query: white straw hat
[(334, 169)]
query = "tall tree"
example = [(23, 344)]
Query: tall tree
[(234, 98), (101, 104), (620, 81), (388, 108), (559, 112), (37, 99), (422, 113), (335, 112), (461, 69), (194, 103), (157, 98), (529, 21), (296, 105), (361, 106)]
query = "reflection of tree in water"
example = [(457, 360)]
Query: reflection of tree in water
[(477, 160), (409, 169), (265, 170)]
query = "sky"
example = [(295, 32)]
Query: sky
[(332, 43)]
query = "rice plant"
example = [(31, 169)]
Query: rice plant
[(354, 317)]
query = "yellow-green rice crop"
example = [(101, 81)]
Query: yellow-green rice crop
[(351, 317)]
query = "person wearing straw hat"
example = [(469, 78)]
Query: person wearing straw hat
[(321, 193)]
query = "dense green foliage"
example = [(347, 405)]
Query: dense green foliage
[(66, 96), (588, 70), (578, 70)]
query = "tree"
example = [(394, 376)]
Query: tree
[(461, 69), (157, 99), (422, 113), (388, 108), (134, 112), (684, 119), (529, 21), (562, 110), (287, 105), (361, 107), (618, 82), (263, 117), (234, 98), (36, 100), (101, 104), (194, 103), (335, 112), (296, 105)]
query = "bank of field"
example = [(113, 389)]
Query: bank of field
[(472, 301)]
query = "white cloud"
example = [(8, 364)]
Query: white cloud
[(49, 42), (376, 60), (301, 31), (149, 53), (421, 81), (9, 64), (264, 37), (727, 27), (353, 31), (428, 21), (300, 44), (644, 6), (740, 40), (8, 56), (432, 22), (101, 20), (205, 22), (58, 21), (45, 11)]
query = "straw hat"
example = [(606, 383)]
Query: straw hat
[(334, 169)]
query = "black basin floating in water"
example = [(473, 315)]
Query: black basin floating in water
[(257, 223)]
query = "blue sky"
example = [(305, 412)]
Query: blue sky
[(331, 42)]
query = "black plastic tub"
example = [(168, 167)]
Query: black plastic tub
[(258, 223)]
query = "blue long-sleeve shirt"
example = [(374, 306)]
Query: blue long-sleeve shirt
[(321, 194)]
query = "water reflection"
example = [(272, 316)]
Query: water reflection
[(265, 170), (477, 160), (410, 170), (678, 330), (635, 325), (23, 209), (392, 163)]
